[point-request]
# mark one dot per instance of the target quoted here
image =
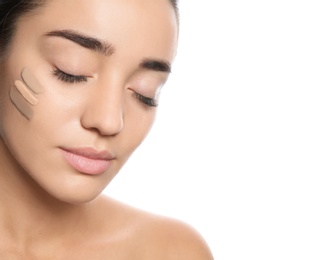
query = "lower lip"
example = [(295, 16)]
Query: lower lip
[(86, 165)]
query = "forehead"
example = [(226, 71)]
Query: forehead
[(140, 23)]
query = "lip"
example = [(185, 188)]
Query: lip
[(87, 160)]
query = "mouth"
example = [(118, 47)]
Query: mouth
[(87, 160)]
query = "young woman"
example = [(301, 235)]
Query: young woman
[(79, 86)]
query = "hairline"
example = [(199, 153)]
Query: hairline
[(32, 7)]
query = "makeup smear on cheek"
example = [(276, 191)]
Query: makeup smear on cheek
[(20, 103), (23, 93), (31, 81), (26, 93)]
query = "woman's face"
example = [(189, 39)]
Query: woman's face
[(99, 67)]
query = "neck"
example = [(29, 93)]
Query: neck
[(29, 212)]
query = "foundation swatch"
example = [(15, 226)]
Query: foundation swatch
[(31, 81), (20, 103), (23, 93)]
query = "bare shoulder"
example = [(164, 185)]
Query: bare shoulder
[(173, 239), (156, 237)]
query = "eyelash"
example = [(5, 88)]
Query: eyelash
[(68, 78), (150, 102)]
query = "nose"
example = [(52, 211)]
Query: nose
[(104, 112)]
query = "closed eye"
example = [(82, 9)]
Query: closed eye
[(150, 102), (68, 78)]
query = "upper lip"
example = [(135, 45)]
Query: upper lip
[(90, 153)]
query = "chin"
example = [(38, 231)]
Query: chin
[(75, 192), (76, 197)]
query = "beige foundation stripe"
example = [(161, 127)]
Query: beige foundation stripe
[(20, 103), (31, 81), (24, 91)]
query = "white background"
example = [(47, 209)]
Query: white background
[(238, 149)]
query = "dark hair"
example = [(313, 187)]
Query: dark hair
[(175, 6), (12, 10)]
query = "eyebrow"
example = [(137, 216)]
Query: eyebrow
[(156, 65), (88, 42), (107, 49)]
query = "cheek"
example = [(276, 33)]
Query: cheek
[(20, 136), (23, 93), (54, 118), (23, 99), (136, 128), (29, 126), (58, 105)]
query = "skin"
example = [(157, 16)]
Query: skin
[(48, 210), (30, 81), (24, 91)]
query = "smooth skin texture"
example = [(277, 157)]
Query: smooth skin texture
[(25, 92), (30, 81), (49, 210)]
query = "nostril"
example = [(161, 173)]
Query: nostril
[(109, 122)]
